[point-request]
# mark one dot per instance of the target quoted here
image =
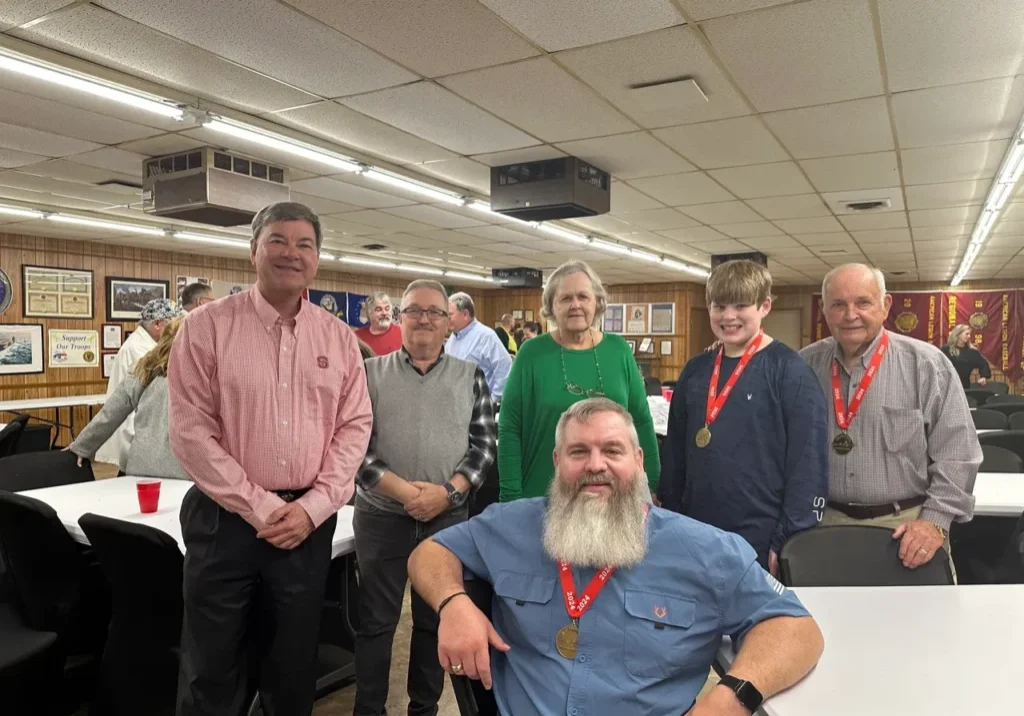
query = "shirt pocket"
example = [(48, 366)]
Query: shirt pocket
[(903, 430), (322, 392), (527, 603), (657, 632)]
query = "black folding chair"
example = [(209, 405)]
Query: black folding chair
[(143, 566), (854, 556), (35, 438), (652, 385), (30, 665), (985, 419), (980, 395), (1017, 420), (1012, 440), (10, 435), (998, 459), (33, 470), (997, 387), (971, 402), (1001, 405), (471, 696)]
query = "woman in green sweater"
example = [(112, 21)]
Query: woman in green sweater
[(555, 370)]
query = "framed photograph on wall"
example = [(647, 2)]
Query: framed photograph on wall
[(49, 292), (632, 346), (21, 348), (113, 336), (108, 364), (636, 317), (517, 314), (663, 319), (529, 315), (613, 318), (647, 345), (126, 297)]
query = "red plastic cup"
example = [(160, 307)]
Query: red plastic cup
[(149, 495), (666, 393)]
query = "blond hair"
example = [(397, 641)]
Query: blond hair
[(154, 363), (739, 282), (954, 336)]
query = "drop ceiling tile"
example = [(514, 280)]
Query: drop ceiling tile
[(725, 143), (945, 217), (344, 192), (515, 156), (70, 171), (43, 190), (790, 207), (1008, 228), (161, 144), (722, 246), (681, 189), (938, 196), (726, 212), (438, 115), (771, 243), (855, 127), (928, 233), (943, 42), (960, 162), (707, 9), (818, 225), (879, 220), (116, 160), (23, 11), (1012, 212), (858, 171), (62, 119), (560, 24), (540, 97), (499, 234), (748, 229), (763, 180), (322, 206), (435, 217), (625, 198), (461, 172), (973, 112), (841, 239), (105, 38), (696, 233), (384, 222), (888, 247), (801, 54), (614, 68), (658, 219), (604, 224), (32, 141), (628, 156), (880, 236)]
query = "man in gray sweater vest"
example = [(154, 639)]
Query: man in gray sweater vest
[(433, 441)]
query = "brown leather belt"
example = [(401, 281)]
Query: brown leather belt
[(291, 495), (867, 512)]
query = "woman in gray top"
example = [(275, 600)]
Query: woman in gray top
[(145, 393)]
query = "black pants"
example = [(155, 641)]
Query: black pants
[(227, 569), (384, 541)]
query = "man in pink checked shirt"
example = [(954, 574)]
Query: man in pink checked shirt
[(270, 416)]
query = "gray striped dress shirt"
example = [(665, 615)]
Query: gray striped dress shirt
[(912, 436)]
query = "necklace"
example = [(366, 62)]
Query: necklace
[(575, 389)]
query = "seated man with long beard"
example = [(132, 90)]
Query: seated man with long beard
[(603, 604)]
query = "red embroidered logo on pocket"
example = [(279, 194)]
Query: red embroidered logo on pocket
[(660, 612), (321, 361)]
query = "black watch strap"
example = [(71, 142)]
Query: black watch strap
[(745, 691)]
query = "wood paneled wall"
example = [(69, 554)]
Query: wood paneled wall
[(492, 304)]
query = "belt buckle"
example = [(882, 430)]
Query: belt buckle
[(286, 495), (897, 506)]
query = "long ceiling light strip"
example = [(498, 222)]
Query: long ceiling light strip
[(112, 225), (271, 140), (1006, 179), (54, 74), (21, 213), (414, 187), (214, 240)]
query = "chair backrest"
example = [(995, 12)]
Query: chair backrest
[(854, 556), (33, 470), (1012, 440), (971, 402), (652, 385), (473, 699), (10, 435), (1017, 420), (980, 395), (985, 419), (35, 438), (997, 387), (998, 459), (44, 564), (1006, 408)]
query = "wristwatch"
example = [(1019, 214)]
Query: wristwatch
[(745, 691), (454, 496)]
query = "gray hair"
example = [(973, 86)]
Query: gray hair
[(193, 292), (464, 302), (427, 283), (584, 410), (377, 298), (567, 269), (286, 211), (879, 277)]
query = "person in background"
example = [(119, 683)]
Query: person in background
[(904, 450), (531, 329), (661, 591), (557, 369), (153, 319), (365, 351), (270, 417), (195, 295), (382, 334), (473, 341), (415, 481), (519, 335), (746, 449), (965, 357), (144, 394), (506, 334)]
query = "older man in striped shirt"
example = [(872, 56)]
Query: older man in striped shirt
[(270, 416)]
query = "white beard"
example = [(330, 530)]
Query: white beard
[(589, 531)]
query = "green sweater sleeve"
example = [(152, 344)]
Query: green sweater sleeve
[(641, 413), (510, 436)]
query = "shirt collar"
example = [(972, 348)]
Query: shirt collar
[(864, 358), (408, 359), (268, 315)]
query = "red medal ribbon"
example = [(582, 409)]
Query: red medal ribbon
[(576, 609), (717, 402), (844, 417)]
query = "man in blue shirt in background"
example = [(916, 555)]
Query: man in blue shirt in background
[(747, 443), (603, 604), (473, 341)]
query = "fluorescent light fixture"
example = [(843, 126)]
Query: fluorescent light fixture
[(324, 256), (112, 225), (485, 207), (413, 187), (367, 262), (282, 144), (31, 67), (1014, 164), (645, 256), (22, 213), (468, 276), (563, 233), (1000, 194), (609, 247), (680, 266), (420, 269), (215, 240)]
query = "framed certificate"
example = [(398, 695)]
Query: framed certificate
[(50, 292), (113, 336)]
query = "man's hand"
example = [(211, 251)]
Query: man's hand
[(287, 527), (720, 701), (982, 381), (432, 501), (773, 563), (463, 636), (919, 541)]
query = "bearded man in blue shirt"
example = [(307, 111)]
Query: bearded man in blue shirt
[(604, 604)]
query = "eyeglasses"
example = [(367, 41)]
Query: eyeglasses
[(415, 313), (586, 392)]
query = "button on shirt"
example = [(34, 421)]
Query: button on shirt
[(479, 344), (649, 637), (259, 403), (912, 436)]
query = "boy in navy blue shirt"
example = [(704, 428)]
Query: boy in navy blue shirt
[(746, 449)]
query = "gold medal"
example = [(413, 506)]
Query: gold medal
[(703, 438), (842, 444), (565, 641)]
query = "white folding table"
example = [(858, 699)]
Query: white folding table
[(999, 494), (59, 403), (909, 651)]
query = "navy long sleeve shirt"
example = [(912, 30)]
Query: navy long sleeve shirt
[(765, 474)]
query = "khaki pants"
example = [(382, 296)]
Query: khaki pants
[(835, 517)]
